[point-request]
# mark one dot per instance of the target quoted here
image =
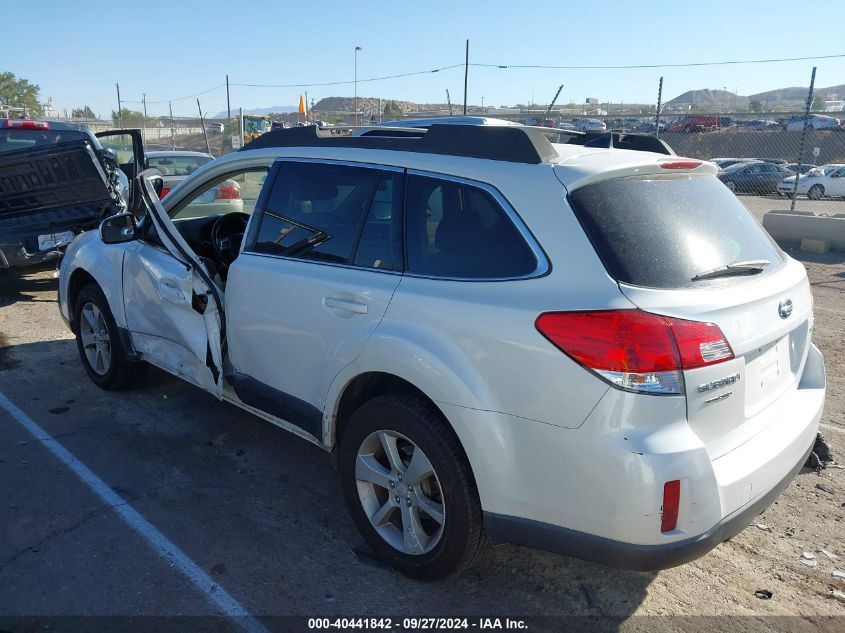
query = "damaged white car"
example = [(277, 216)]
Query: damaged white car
[(469, 318)]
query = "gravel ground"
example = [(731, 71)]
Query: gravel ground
[(261, 511)]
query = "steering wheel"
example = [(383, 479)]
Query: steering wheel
[(227, 233)]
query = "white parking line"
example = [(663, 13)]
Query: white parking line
[(214, 593)]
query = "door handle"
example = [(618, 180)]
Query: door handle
[(347, 305), (168, 291)]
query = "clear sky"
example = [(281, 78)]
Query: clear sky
[(77, 51)]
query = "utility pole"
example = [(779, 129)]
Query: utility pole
[(204, 131), (466, 77), (657, 114), (357, 48), (804, 135), (228, 105), (119, 117), (172, 131), (307, 107), (144, 101), (449, 102)]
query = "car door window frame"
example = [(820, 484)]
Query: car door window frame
[(543, 266), (277, 169)]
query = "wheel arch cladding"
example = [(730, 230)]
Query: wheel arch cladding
[(78, 280)]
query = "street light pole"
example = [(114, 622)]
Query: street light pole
[(357, 48)]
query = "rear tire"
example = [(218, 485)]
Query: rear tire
[(816, 192), (102, 352), (426, 526), (731, 185)]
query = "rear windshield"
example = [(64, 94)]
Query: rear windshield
[(661, 231), (15, 139)]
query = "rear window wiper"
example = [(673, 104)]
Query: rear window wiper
[(750, 267)]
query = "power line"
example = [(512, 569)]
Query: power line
[(343, 83), (684, 65)]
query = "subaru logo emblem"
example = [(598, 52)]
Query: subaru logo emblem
[(785, 308)]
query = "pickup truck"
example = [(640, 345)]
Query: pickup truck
[(59, 179)]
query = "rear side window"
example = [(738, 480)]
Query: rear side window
[(458, 230), (316, 211), (12, 139), (661, 231)]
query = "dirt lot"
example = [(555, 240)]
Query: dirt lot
[(261, 513)]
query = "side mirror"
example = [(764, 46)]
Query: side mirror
[(118, 229)]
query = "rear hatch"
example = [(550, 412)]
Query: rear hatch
[(681, 245), (48, 175)]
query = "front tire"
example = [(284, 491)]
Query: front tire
[(102, 352), (816, 192), (409, 487)]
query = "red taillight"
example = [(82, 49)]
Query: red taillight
[(671, 503), (680, 164), (635, 350), (228, 193), (164, 192), (28, 125)]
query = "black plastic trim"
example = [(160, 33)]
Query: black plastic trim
[(512, 144), (282, 405), (553, 538)]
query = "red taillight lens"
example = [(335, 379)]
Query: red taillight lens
[(680, 164), (29, 125), (635, 350), (228, 193), (164, 192), (671, 503), (699, 344)]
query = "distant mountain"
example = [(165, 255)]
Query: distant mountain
[(710, 98), (235, 111), (794, 95)]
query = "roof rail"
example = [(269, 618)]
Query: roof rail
[(636, 142), (514, 144)]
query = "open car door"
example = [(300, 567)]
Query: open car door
[(174, 309), (128, 147)]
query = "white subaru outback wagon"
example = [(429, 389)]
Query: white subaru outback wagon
[(590, 350)]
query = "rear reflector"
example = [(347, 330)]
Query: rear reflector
[(671, 503), (28, 125), (228, 193), (680, 164), (635, 350)]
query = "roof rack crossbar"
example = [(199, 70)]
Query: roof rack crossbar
[(515, 144)]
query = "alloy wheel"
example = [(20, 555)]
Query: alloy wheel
[(95, 338), (400, 492)]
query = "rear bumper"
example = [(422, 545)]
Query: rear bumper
[(19, 235), (630, 556)]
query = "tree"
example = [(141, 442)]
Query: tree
[(391, 108), (755, 106), (19, 93), (83, 113), (128, 117)]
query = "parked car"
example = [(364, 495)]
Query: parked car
[(694, 123), (801, 168), (815, 122), (574, 395), (757, 177), (44, 204), (215, 128), (175, 166), (590, 125), (723, 163), (762, 124), (819, 182), (647, 127)]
